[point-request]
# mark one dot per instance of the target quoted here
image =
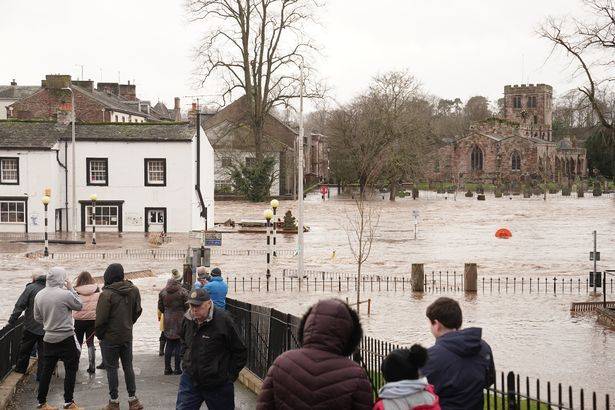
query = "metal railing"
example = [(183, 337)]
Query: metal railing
[(10, 339), (154, 254)]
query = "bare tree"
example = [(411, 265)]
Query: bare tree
[(257, 47)]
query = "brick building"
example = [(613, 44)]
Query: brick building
[(520, 145)]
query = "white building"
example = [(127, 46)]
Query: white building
[(144, 176)]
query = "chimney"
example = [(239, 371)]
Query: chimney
[(109, 88), (128, 91), (56, 81), (86, 85), (177, 110), (13, 83)]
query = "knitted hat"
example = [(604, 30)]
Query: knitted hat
[(216, 272), (176, 275), (404, 364)]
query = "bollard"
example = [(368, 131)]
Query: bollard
[(470, 277), (417, 278)]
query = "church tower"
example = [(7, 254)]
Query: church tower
[(531, 107)]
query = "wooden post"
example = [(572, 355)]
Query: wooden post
[(417, 278), (470, 277), (369, 306)]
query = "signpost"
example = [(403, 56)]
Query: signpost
[(415, 216), (212, 238)]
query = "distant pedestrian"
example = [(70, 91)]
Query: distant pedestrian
[(460, 364), (320, 375), (213, 357), (32, 331), (85, 319), (162, 340), (119, 307), (405, 389), (52, 307), (172, 304), (202, 278), (217, 288)]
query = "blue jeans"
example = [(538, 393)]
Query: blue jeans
[(190, 397)]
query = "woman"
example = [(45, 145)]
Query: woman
[(320, 375), (85, 319), (172, 305)]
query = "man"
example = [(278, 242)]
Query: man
[(53, 308), (202, 278), (460, 364), (213, 356), (217, 289), (119, 307), (33, 331), (172, 306)]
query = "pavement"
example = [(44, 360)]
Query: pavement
[(154, 390)]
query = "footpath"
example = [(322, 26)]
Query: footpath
[(155, 390)]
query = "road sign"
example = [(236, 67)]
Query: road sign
[(213, 238), (591, 256), (598, 277)]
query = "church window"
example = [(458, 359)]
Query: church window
[(517, 101), (515, 161), (531, 102), (477, 159)]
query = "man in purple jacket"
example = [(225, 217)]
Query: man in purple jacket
[(460, 364)]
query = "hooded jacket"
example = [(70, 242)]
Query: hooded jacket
[(407, 395), (172, 304), (460, 366), (119, 307), (319, 375), (89, 298), (217, 290), (26, 303), (53, 306)]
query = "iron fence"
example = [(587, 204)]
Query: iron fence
[(153, 254), (10, 338), (268, 333)]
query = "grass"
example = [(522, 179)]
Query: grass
[(502, 403)]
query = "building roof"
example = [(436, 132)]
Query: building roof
[(43, 135), (17, 92), (112, 102)]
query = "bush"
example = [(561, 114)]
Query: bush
[(254, 181)]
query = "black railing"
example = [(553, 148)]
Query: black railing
[(10, 338), (268, 333)]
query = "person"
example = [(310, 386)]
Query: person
[(52, 308), (172, 305), (404, 388), (213, 356), (202, 278), (320, 375), (161, 339), (33, 331), (119, 307), (217, 288), (85, 319), (460, 365)]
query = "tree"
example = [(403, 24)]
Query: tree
[(600, 154), (477, 109)]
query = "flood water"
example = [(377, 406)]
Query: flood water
[(535, 335)]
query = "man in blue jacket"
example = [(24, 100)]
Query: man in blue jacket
[(460, 364), (217, 288)]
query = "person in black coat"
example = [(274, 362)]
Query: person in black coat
[(460, 364), (33, 331)]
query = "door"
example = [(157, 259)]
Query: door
[(155, 219)]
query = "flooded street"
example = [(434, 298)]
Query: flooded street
[(533, 334)]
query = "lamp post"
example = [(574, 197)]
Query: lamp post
[(268, 214), (45, 201), (274, 205), (93, 198), (73, 155)]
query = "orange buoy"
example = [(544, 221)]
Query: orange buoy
[(503, 233)]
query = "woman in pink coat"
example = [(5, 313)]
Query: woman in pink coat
[(85, 319)]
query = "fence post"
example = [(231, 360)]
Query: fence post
[(470, 277), (510, 391), (417, 277)]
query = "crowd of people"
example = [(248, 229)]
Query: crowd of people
[(199, 342)]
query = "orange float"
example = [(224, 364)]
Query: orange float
[(503, 233)]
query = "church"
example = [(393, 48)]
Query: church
[(509, 149)]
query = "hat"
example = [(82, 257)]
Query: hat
[(216, 272), (404, 364), (203, 275), (197, 297), (114, 273), (176, 275)]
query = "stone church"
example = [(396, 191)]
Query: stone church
[(516, 147)]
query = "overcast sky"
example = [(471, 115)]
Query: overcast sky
[(455, 48)]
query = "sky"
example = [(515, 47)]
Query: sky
[(454, 48)]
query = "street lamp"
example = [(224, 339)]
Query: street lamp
[(74, 178), (45, 201), (268, 214), (274, 205), (93, 198)]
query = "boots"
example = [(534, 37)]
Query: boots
[(92, 359), (134, 404)]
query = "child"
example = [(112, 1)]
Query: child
[(404, 389)]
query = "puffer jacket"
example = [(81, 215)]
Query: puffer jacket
[(217, 290), (89, 299), (172, 305), (319, 375), (26, 303)]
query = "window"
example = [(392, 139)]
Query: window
[(515, 161), (12, 212), (106, 215), (535, 119), (155, 172), (97, 171), (477, 159), (156, 216), (517, 101), (531, 102), (9, 171), (116, 119), (250, 161)]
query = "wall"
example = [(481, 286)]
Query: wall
[(3, 105), (207, 183), (123, 117), (221, 173)]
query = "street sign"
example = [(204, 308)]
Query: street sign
[(213, 238), (598, 277), (591, 256)]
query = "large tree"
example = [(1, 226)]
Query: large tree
[(477, 109)]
